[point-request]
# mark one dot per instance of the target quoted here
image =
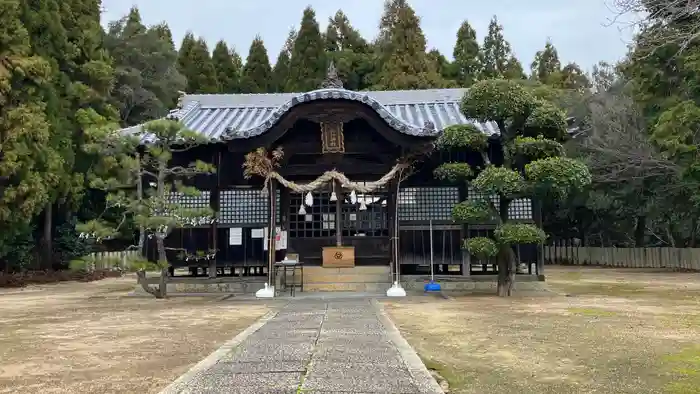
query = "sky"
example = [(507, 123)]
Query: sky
[(581, 30)]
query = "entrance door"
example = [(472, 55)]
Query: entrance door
[(316, 226), (366, 227), (313, 227)]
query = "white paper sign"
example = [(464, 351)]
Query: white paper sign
[(280, 239), (235, 236), (257, 233)]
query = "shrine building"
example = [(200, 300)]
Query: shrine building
[(363, 136)]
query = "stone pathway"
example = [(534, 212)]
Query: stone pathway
[(315, 346)]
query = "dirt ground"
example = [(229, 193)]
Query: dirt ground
[(598, 331), (93, 338)]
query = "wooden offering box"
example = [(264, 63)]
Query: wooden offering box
[(339, 256)]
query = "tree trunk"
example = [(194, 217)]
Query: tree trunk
[(163, 264), (640, 231), (693, 233), (139, 196), (47, 252), (141, 279), (506, 271), (163, 283)]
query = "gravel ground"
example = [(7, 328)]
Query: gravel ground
[(93, 338), (599, 331)]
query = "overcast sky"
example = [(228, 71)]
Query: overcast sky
[(580, 29)]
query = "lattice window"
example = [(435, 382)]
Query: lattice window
[(373, 221), (318, 221), (426, 203), (200, 201), (245, 207), (520, 209)]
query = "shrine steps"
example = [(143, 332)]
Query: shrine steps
[(357, 279)]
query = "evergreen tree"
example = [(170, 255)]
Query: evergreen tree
[(388, 21), (408, 65), (228, 68), (145, 61), (546, 64), (514, 69), (69, 35), (497, 60), (535, 167), (257, 73), (280, 73), (30, 168), (466, 56), (443, 66), (572, 77), (90, 65), (196, 65), (349, 51), (307, 64)]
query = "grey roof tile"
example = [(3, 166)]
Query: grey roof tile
[(233, 116)]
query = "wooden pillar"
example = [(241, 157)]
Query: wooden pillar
[(537, 213), (466, 256), (214, 204), (338, 213), (393, 231), (271, 231)]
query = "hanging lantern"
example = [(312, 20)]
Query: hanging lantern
[(302, 210), (334, 197), (353, 197), (363, 206), (309, 199)]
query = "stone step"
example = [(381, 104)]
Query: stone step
[(347, 286), (347, 275), (373, 269)]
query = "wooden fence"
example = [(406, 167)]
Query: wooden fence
[(111, 260), (671, 258)]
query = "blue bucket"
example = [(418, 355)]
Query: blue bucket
[(432, 286)]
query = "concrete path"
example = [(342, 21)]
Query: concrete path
[(314, 346)]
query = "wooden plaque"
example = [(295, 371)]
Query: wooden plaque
[(339, 256)]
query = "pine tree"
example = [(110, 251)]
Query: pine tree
[(196, 65), (30, 168), (228, 68), (497, 60), (546, 64), (146, 77), (407, 65), (307, 64), (466, 56), (257, 73)]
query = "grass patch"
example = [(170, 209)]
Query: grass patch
[(601, 289), (592, 312), (685, 366), (453, 378), (611, 338)]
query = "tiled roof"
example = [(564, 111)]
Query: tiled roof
[(233, 116)]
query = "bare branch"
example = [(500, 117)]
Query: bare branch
[(616, 148), (661, 22)]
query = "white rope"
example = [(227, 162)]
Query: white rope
[(345, 183)]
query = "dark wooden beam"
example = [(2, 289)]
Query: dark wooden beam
[(347, 169)]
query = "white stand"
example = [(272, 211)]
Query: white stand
[(396, 291), (267, 292)]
